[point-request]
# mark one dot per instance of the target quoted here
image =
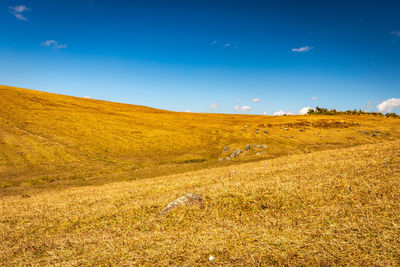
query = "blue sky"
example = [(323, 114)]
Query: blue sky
[(250, 57)]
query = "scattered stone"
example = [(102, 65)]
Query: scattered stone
[(185, 200), (291, 136), (317, 133), (247, 147), (235, 153), (245, 126), (260, 153), (262, 146), (302, 130), (265, 132), (377, 132), (227, 148), (286, 128), (221, 159)]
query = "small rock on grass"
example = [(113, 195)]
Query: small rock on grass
[(188, 199), (235, 153)]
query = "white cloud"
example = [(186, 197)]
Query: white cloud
[(314, 98), (238, 100), (214, 42), (86, 96), (302, 49), (388, 105), (53, 44), (227, 45), (245, 108), (18, 10), (214, 106), (188, 110), (281, 112), (303, 111), (256, 100), (265, 113), (397, 33), (242, 108)]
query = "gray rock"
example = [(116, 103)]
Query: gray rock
[(262, 146), (227, 148), (235, 153), (302, 130), (185, 200), (247, 147), (265, 132)]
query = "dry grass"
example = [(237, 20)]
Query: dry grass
[(50, 141), (338, 207), (72, 187)]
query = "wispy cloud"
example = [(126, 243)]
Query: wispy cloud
[(242, 108), (227, 45), (188, 110), (389, 105), (53, 44), (396, 33), (214, 42), (214, 106), (302, 49), (256, 100), (238, 100), (18, 10), (87, 96), (314, 98)]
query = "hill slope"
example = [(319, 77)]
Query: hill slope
[(49, 138), (336, 207)]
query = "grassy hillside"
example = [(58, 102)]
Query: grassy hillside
[(56, 140), (333, 207)]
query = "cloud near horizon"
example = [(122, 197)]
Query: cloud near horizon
[(314, 98), (281, 112), (214, 106), (18, 10), (242, 108), (53, 44), (302, 111), (388, 105), (302, 49)]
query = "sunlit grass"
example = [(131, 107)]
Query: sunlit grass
[(337, 207), (62, 140)]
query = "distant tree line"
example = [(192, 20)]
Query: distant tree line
[(325, 111)]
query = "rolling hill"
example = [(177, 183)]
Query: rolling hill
[(83, 181), (51, 140)]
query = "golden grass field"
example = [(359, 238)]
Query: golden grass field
[(82, 182)]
